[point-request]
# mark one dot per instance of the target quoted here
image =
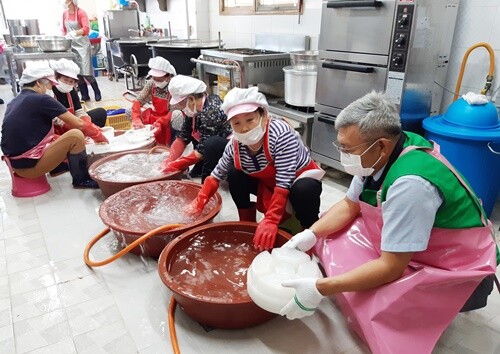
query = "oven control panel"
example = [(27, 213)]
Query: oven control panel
[(401, 37)]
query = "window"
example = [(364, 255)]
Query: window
[(259, 7)]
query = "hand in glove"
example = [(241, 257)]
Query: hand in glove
[(71, 35), (208, 189), (136, 115), (306, 299), (303, 241), (265, 235), (176, 150), (92, 131), (181, 163)]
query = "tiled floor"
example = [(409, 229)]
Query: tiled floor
[(50, 302)]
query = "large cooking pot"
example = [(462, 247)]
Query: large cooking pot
[(300, 86), (53, 43)]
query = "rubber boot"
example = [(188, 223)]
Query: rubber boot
[(97, 92), (248, 214), (84, 90), (79, 172), (60, 169)]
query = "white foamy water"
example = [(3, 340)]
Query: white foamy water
[(132, 167)]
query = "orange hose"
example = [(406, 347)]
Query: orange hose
[(126, 249), (171, 325), (157, 147), (491, 70)]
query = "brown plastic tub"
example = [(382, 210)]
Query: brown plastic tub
[(110, 186), (139, 209), (206, 269)]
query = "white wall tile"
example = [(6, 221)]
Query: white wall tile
[(474, 24)]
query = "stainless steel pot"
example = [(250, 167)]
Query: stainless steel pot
[(304, 59), (54, 43), (300, 86)]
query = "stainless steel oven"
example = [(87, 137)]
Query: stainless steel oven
[(397, 46)]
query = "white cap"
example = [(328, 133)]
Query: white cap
[(240, 100), (65, 67), (36, 71), (160, 67), (181, 86)]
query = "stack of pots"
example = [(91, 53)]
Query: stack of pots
[(300, 78)]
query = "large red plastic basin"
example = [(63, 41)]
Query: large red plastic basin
[(109, 186), (206, 268), (139, 209)]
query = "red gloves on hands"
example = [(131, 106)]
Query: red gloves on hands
[(176, 149), (265, 235), (136, 115), (92, 131), (162, 130), (181, 163), (208, 189)]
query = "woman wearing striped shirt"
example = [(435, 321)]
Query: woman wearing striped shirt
[(266, 158)]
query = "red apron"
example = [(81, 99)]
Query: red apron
[(37, 151), (61, 129), (267, 176), (161, 115), (409, 315)]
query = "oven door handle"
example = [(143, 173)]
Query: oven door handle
[(353, 3), (348, 67), (217, 65), (326, 120)]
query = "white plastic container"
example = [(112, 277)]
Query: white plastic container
[(269, 270)]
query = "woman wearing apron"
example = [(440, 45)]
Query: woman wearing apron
[(205, 126), (28, 138), (66, 74), (155, 91), (266, 158), (76, 27), (407, 247)]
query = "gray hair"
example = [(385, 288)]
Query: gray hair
[(374, 114)]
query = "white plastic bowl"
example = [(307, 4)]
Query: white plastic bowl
[(269, 270)]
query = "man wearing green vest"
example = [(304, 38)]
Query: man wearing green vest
[(409, 244)]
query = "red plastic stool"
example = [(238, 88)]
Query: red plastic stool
[(27, 187)]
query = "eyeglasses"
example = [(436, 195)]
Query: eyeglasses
[(346, 150)]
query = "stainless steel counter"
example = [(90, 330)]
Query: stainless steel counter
[(17, 62)]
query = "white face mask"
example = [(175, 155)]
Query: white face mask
[(161, 84), (251, 137), (187, 111), (63, 87), (352, 163)]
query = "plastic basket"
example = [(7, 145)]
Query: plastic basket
[(118, 121)]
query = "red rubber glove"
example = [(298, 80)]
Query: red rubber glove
[(136, 115), (92, 131), (265, 235), (162, 129), (181, 163), (176, 150), (208, 189)]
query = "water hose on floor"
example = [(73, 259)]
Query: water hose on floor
[(491, 71), (124, 251), (171, 325)]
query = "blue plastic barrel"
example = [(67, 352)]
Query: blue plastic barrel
[(415, 107), (469, 137)]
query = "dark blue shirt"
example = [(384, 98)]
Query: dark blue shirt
[(27, 120)]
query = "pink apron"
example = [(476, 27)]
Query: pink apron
[(37, 151), (410, 314)]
